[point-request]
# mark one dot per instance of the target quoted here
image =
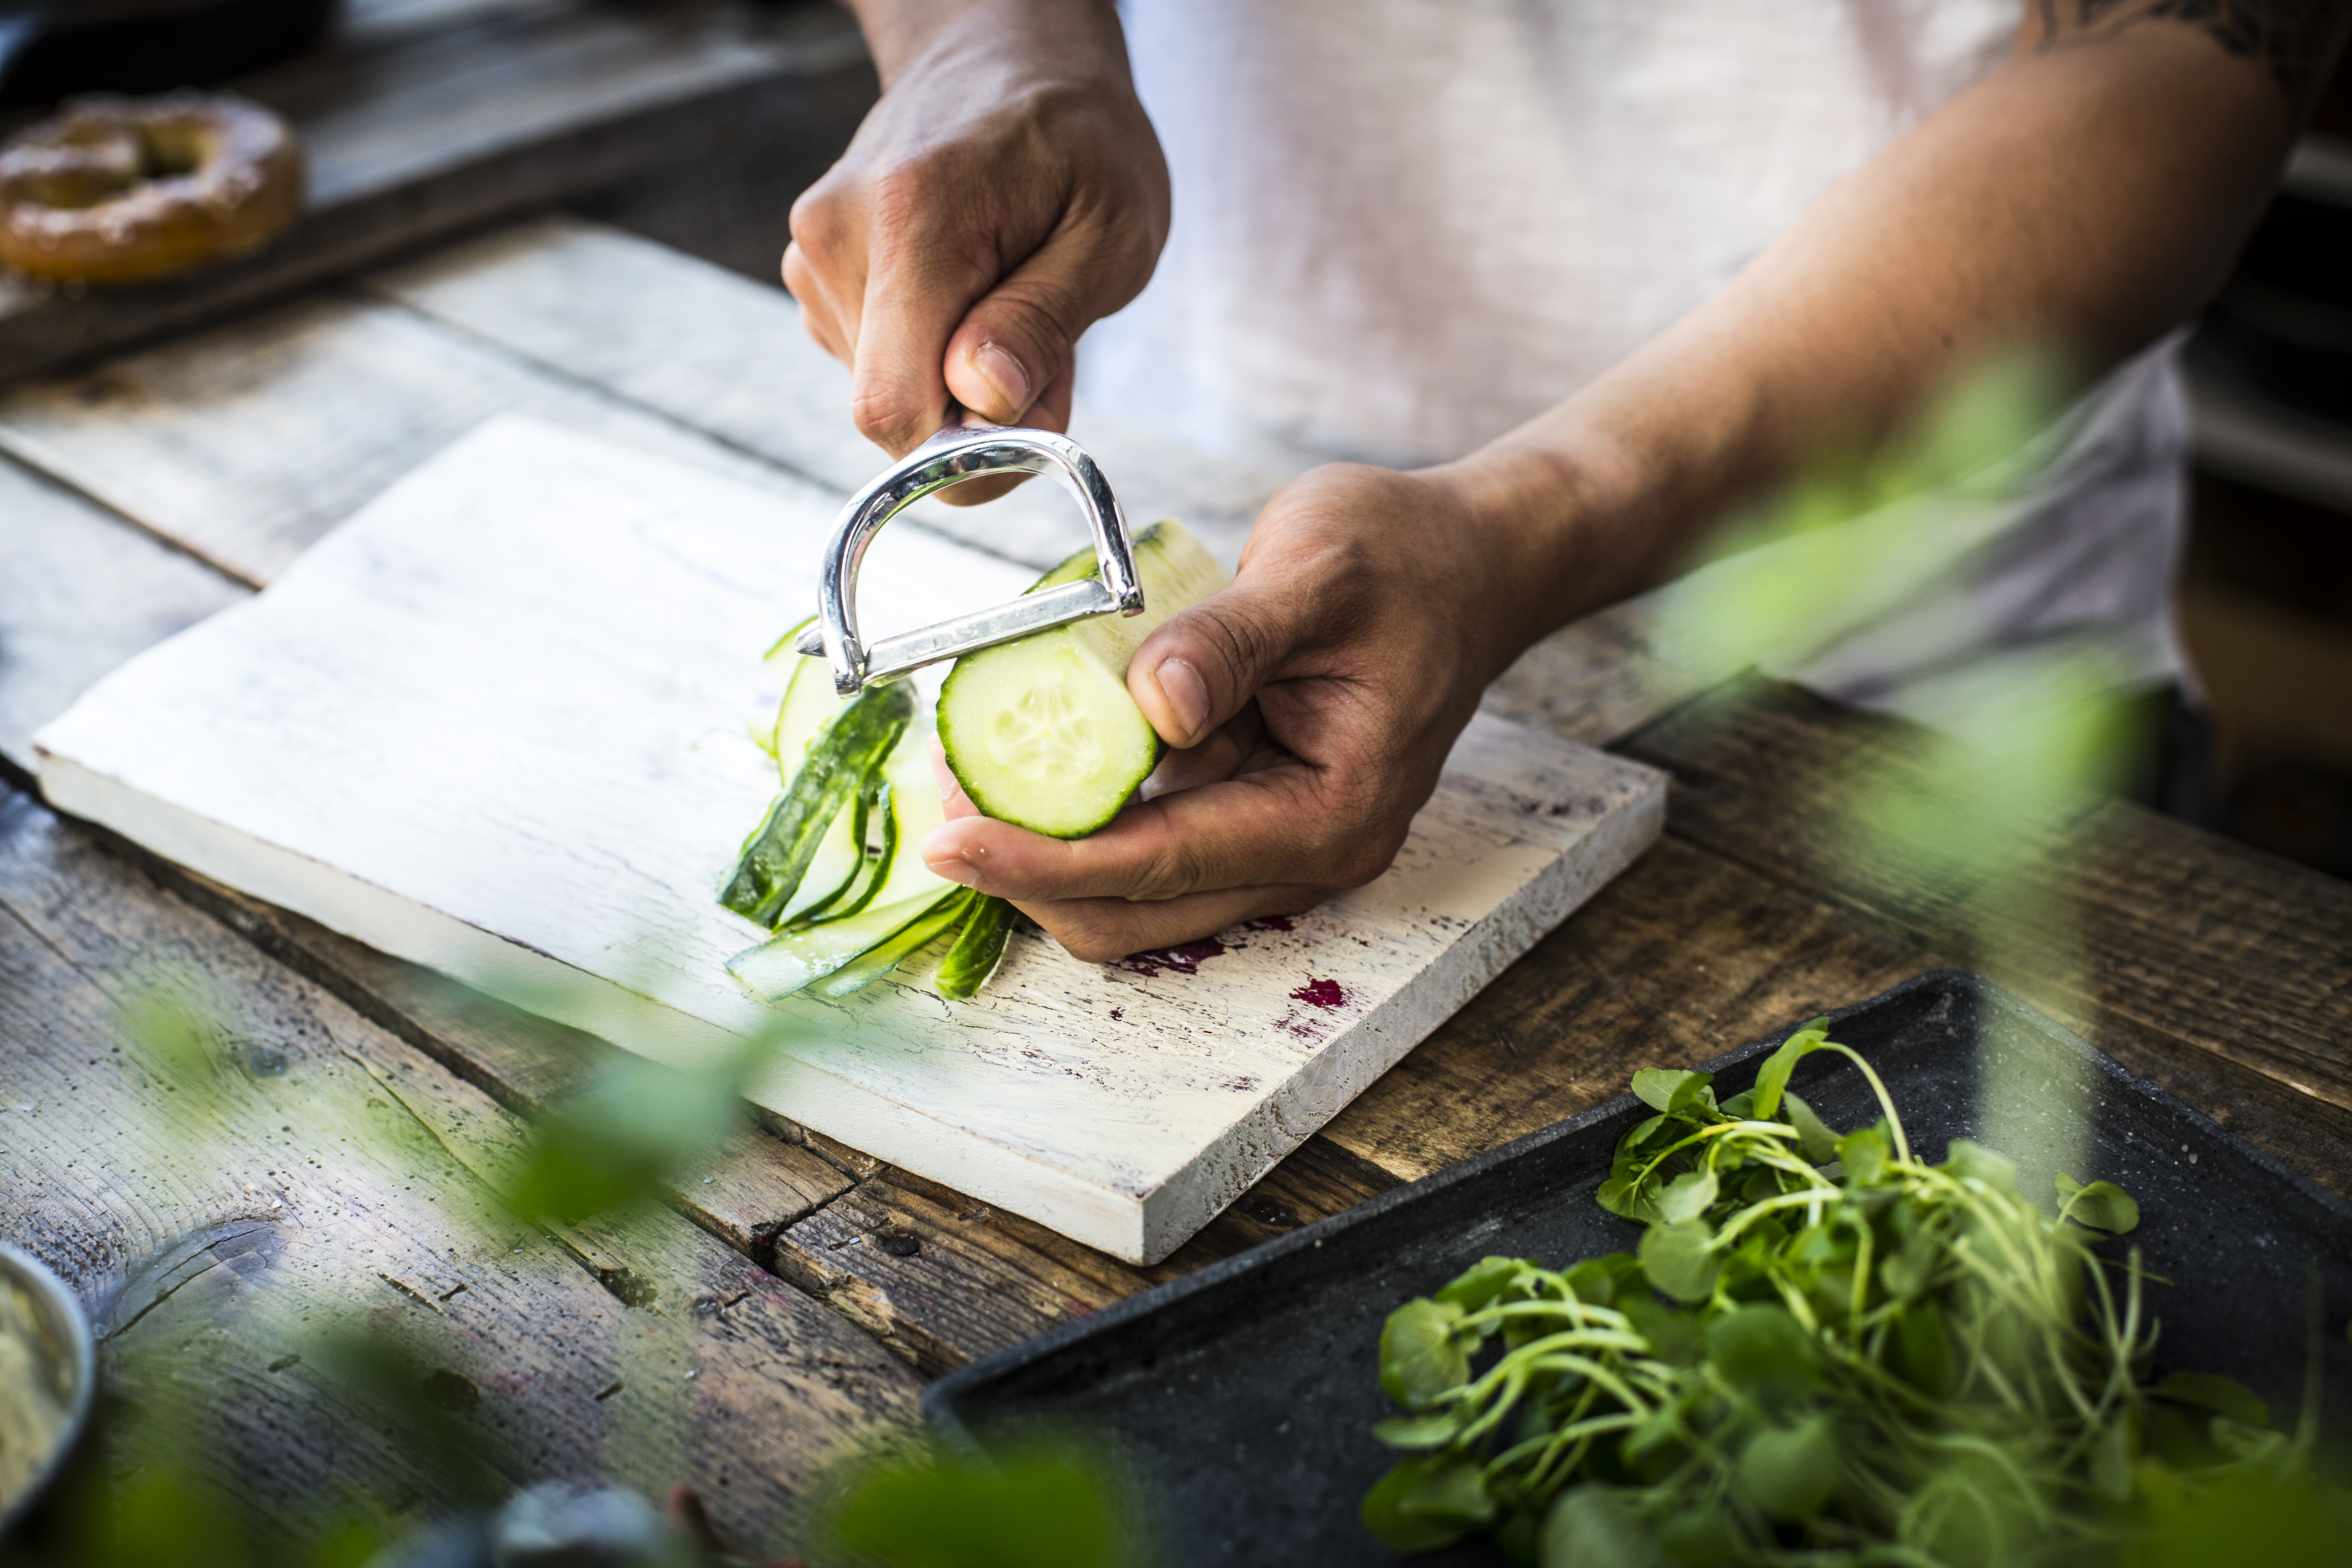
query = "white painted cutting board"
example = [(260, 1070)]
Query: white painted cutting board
[(498, 723)]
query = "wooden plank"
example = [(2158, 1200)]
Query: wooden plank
[(1681, 958), (311, 1171), (534, 608), (244, 445), (731, 357), (2212, 967), (2236, 952), (944, 1279), (82, 592), (1779, 777), (746, 1190), (420, 132)]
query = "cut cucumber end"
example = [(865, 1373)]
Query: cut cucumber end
[(1048, 739), (1042, 732)]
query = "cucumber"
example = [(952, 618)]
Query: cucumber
[(1041, 732), (886, 955), (978, 949), (774, 859), (786, 963), (840, 859), (877, 837), (915, 809), (810, 704)]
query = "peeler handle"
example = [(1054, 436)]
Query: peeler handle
[(958, 453)]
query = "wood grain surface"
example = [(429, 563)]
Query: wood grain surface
[(244, 445), (82, 590), (2215, 971), (428, 123), (302, 1168)]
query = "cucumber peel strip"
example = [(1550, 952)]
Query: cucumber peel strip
[(796, 960), (769, 868), (881, 959), (840, 860), (978, 949), (872, 869)]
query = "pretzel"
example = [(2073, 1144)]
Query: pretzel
[(124, 190)]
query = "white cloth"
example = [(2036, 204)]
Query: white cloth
[(1402, 227)]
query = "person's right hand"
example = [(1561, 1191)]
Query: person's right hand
[(1005, 192)]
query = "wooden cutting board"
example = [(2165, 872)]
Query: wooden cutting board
[(499, 723)]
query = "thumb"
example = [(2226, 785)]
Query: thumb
[(1019, 339), (1205, 663)]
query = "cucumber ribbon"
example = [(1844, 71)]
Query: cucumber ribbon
[(844, 832)]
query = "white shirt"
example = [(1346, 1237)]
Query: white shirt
[(1402, 227)]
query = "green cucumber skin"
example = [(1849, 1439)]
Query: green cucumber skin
[(874, 805), (796, 959), (978, 949), (886, 955), (867, 873), (774, 858), (1169, 540)]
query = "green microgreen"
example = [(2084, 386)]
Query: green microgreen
[(1825, 1351)]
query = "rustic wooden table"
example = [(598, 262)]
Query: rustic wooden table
[(363, 1109)]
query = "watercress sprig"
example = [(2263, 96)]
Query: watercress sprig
[(1825, 1351)]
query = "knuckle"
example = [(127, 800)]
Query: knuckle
[(882, 417), (906, 193), (1088, 937), (1172, 867), (819, 225), (1044, 312), (1360, 838), (1234, 633)]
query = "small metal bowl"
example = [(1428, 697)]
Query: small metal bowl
[(63, 1351)]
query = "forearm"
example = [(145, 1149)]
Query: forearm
[(2082, 201), (1081, 37)]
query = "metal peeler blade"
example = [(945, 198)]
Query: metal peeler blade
[(960, 452)]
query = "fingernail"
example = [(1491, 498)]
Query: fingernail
[(954, 869), (1004, 375), (1187, 695), (942, 774)]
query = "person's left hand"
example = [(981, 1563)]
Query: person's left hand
[(1311, 704)]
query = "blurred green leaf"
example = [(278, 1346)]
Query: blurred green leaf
[(1419, 1356), (618, 1142), (2102, 1206), (1792, 1471), (163, 1520), (1677, 1259), (1593, 1525), (1048, 1507)]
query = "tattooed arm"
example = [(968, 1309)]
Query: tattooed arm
[(2297, 40)]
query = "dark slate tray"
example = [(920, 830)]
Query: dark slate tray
[(1240, 1396)]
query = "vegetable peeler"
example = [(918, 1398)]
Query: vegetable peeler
[(966, 451)]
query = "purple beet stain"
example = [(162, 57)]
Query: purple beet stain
[(1184, 960), (1320, 994), (1270, 922), (1118, 1012)]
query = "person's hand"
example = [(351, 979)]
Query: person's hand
[(1005, 192), (1313, 701)]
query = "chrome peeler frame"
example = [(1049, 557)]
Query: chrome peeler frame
[(958, 453)]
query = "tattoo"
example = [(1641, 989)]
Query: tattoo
[(2296, 39)]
